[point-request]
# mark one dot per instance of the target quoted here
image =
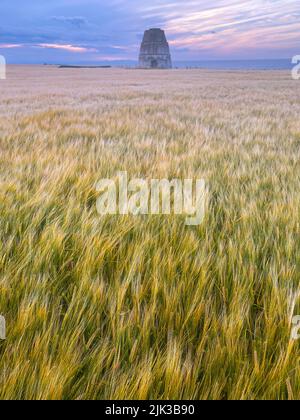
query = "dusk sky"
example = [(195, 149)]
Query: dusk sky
[(77, 31)]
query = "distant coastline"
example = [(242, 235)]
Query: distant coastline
[(66, 66)]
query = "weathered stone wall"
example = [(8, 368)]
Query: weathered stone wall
[(155, 51)]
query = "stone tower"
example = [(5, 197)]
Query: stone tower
[(155, 51)]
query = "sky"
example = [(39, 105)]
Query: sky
[(92, 31)]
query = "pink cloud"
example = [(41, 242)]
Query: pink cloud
[(67, 47), (8, 46)]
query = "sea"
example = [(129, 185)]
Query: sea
[(270, 64), (281, 64)]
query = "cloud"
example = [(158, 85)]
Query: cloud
[(196, 29), (10, 46), (227, 28), (77, 21), (67, 47)]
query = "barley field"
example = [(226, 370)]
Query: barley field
[(124, 307)]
